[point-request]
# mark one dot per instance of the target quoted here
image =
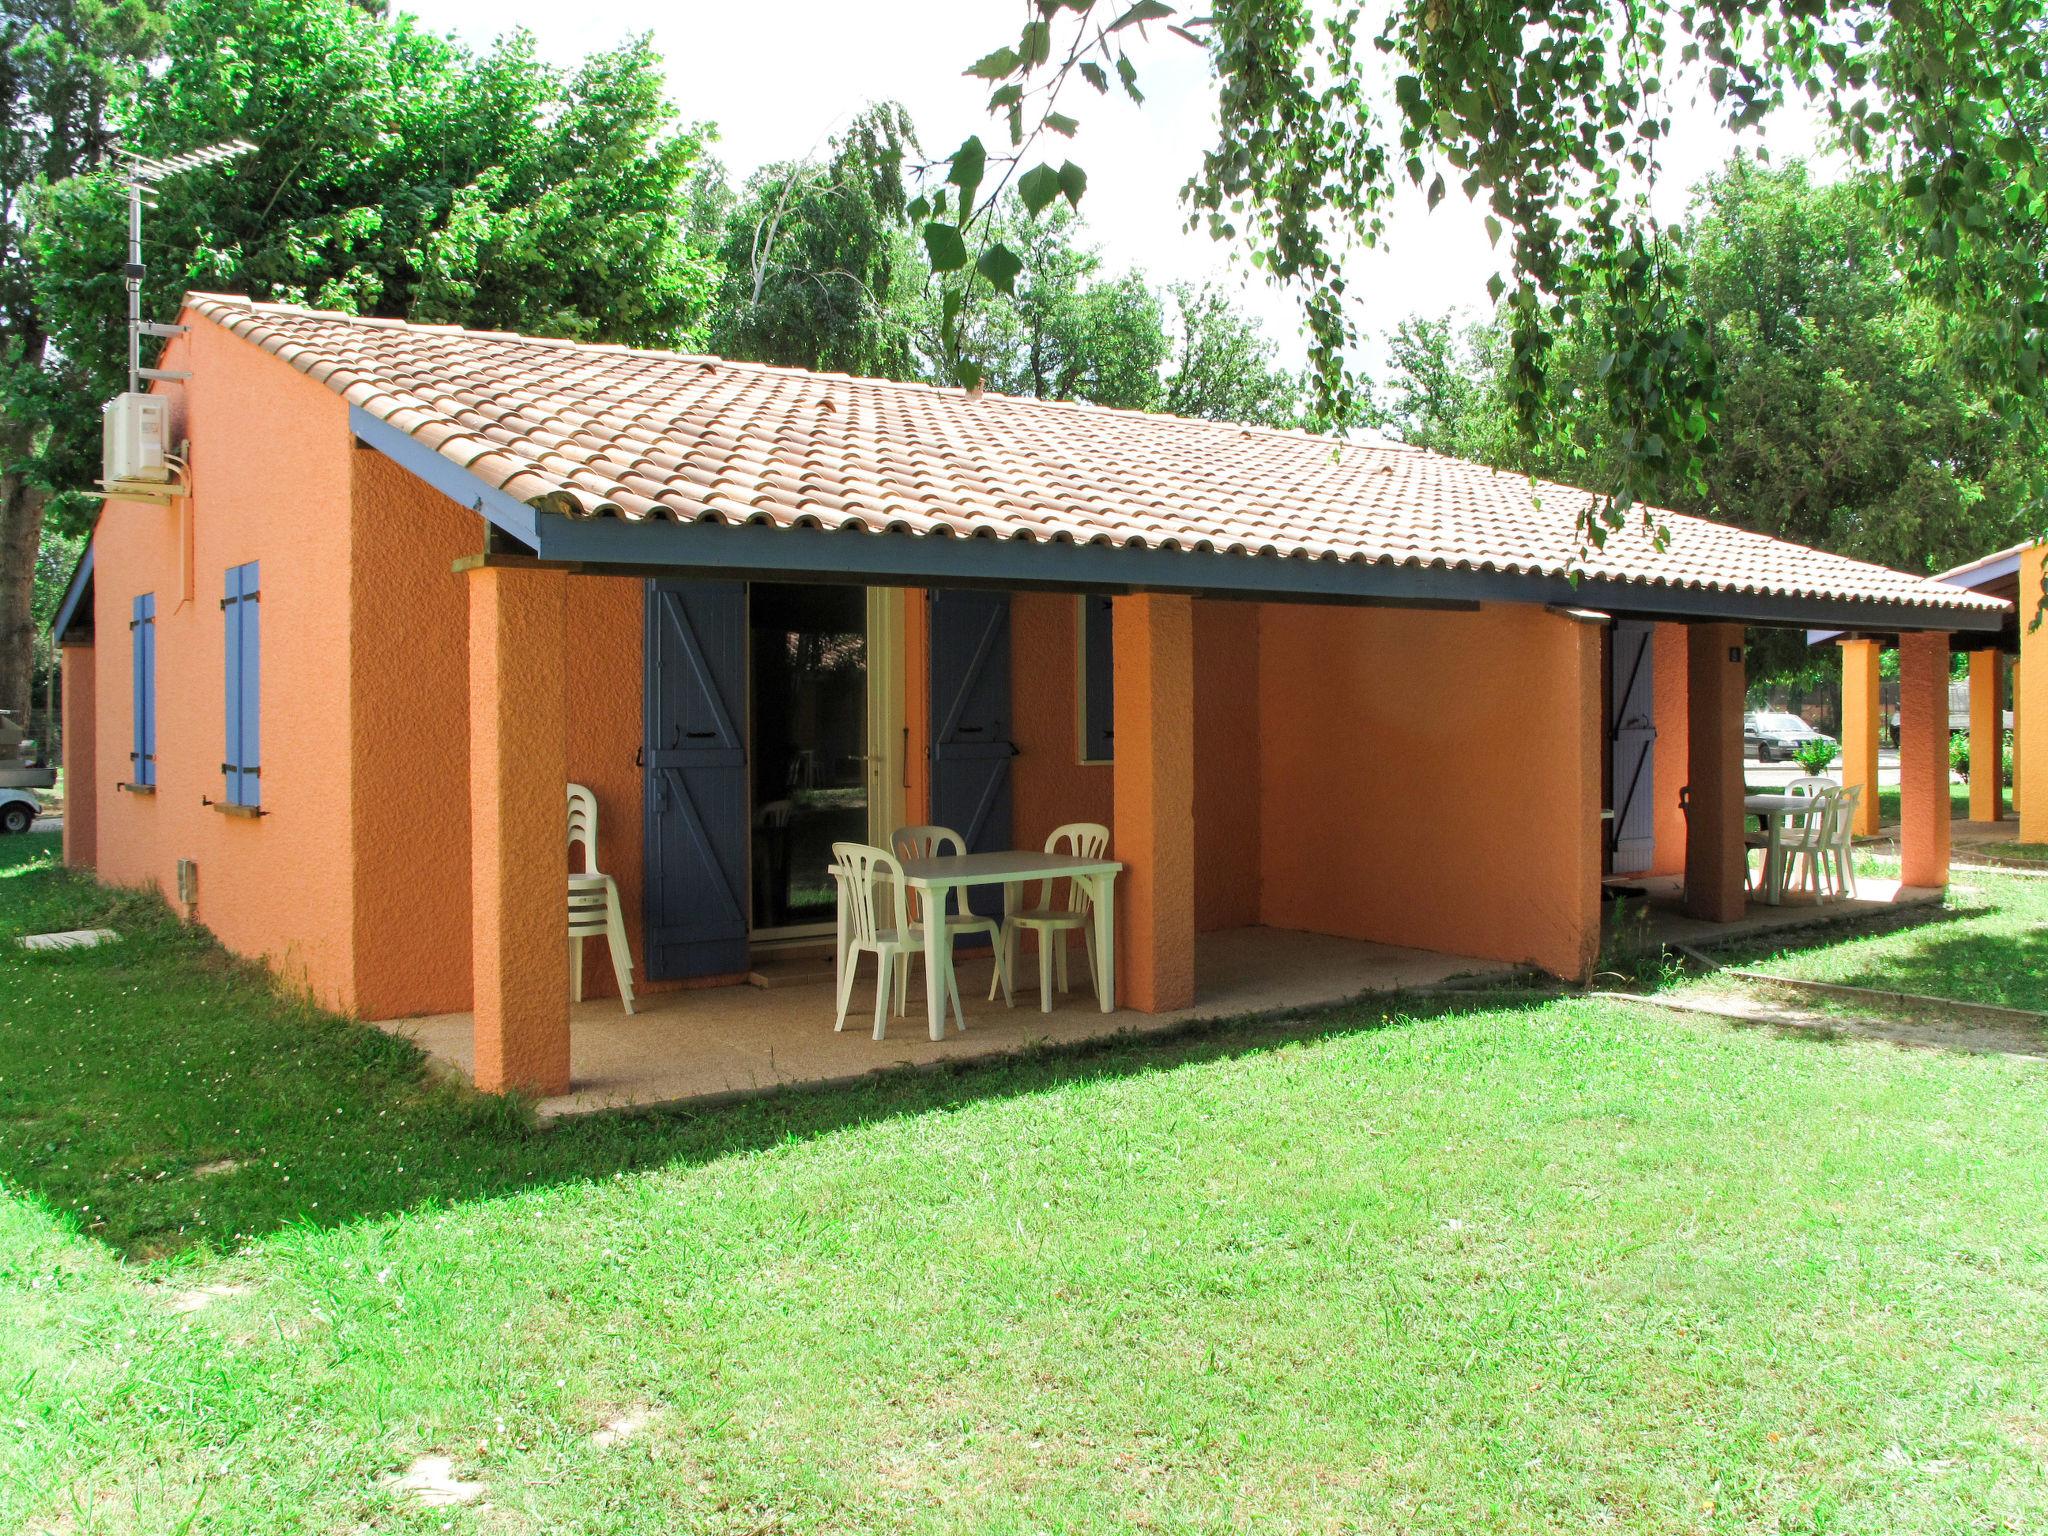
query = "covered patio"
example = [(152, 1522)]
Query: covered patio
[(1349, 715), (711, 1043), (705, 1045)]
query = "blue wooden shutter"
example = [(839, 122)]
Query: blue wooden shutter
[(142, 649), (971, 747), (1098, 679), (1632, 736), (696, 778), (242, 761)]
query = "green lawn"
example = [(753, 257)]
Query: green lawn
[(1541, 1265), (1958, 804)]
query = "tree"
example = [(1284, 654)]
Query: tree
[(396, 174), (1849, 417), (819, 270), (1222, 364), (1552, 116), (1064, 329), (64, 64)]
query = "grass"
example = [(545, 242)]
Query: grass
[(1958, 804), (1540, 1265), (1995, 951)]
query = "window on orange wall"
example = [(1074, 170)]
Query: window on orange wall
[(142, 653), (1095, 678), (242, 759)]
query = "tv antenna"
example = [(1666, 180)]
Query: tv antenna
[(142, 173)]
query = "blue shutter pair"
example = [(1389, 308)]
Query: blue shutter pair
[(142, 655), (1098, 679), (242, 764)]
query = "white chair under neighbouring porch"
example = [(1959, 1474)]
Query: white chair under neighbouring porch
[(593, 901)]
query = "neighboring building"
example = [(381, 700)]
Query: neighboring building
[(424, 577), (2013, 659)]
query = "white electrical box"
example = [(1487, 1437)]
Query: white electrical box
[(135, 427)]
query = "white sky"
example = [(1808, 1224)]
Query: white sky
[(778, 78)]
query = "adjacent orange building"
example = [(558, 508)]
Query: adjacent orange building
[(420, 579)]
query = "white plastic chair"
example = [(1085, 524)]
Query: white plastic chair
[(1086, 840), (1844, 845), (885, 933), (1810, 784), (593, 901), (1811, 836), (909, 843)]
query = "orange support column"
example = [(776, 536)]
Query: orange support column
[(81, 742), (1714, 856), (2030, 703), (1987, 738), (1923, 760), (1860, 709), (1154, 787), (518, 820)]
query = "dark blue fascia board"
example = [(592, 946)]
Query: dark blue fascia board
[(506, 513), (817, 554), (77, 596), (939, 560)]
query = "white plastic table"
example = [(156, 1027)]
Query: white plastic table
[(1774, 811), (936, 879)]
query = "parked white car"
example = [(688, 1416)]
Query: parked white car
[(1773, 734)]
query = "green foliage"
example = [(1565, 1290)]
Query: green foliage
[(64, 64), (819, 270), (1066, 330), (1222, 367), (396, 174), (1552, 117), (1816, 756), (1850, 418), (1959, 754)]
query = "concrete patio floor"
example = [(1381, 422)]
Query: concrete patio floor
[(723, 1041), (1664, 902)]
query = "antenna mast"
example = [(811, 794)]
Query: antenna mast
[(142, 172)]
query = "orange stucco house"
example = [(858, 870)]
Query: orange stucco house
[(421, 578)]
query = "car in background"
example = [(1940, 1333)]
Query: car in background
[(21, 774), (1772, 734)]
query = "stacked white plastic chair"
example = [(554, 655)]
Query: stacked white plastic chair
[(593, 901)]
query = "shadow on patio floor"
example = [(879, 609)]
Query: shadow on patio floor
[(163, 1096)]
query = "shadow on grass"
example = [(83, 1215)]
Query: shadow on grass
[(164, 1097)]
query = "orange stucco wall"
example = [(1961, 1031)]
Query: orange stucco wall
[(81, 763), (1050, 785), (1433, 780), (1226, 765), (1668, 765), (410, 721), (271, 482)]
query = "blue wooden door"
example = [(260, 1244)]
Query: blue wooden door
[(696, 778), (1632, 737), (971, 747)]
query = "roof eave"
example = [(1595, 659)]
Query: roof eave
[(76, 594), (775, 552)]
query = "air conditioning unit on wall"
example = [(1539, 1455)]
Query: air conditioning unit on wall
[(134, 448)]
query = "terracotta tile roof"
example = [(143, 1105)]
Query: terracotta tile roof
[(608, 431)]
